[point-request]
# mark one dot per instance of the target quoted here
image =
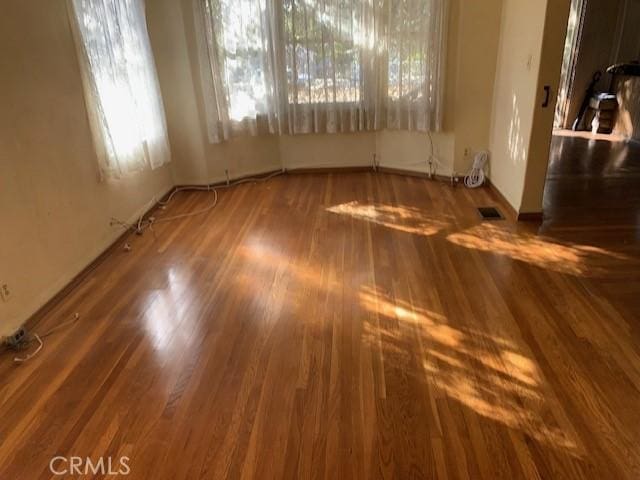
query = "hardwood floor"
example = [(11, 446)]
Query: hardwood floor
[(593, 179), (592, 194), (340, 326)]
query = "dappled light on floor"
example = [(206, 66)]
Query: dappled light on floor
[(483, 371), (272, 338), (401, 218), (573, 259)]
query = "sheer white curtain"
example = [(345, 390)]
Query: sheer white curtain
[(415, 46), (121, 85), (302, 66), (236, 40)]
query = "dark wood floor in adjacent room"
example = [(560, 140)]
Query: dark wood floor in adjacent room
[(593, 180), (340, 326)]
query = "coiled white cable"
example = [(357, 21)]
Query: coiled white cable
[(475, 178)]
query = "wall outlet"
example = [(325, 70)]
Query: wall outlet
[(18, 340), (5, 293)]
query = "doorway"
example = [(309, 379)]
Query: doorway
[(594, 163), (569, 58)]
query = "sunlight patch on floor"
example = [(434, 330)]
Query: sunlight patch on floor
[(484, 372), (401, 218), (580, 260)]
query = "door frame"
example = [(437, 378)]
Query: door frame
[(570, 57)]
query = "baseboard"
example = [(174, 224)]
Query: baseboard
[(501, 198), (352, 169), (220, 181), (515, 215), (530, 217), (355, 165), (419, 174), (381, 169)]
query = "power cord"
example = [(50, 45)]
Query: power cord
[(143, 223), (25, 340), (431, 170), (476, 176), (433, 164), (33, 354)]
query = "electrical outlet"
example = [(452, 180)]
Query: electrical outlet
[(17, 340), (5, 293)]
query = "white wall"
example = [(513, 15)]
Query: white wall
[(555, 32), (532, 37), (473, 47), (515, 95), (55, 213), (166, 29), (411, 151), (327, 150)]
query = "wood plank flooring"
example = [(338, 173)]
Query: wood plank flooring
[(593, 179), (340, 326)]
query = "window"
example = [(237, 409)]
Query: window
[(304, 66), (407, 48), (239, 35), (121, 86), (322, 51)]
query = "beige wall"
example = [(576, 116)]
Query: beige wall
[(327, 150), (515, 95), (472, 70), (186, 134), (472, 42), (555, 32), (530, 57), (410, 150), (55, 213)]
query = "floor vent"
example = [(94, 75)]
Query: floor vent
[(490, 213)]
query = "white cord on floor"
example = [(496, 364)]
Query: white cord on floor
[(475, 178), (433, 164), (143, 224), (39, 339), (31, 355), (184, 215), (204, 188)]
